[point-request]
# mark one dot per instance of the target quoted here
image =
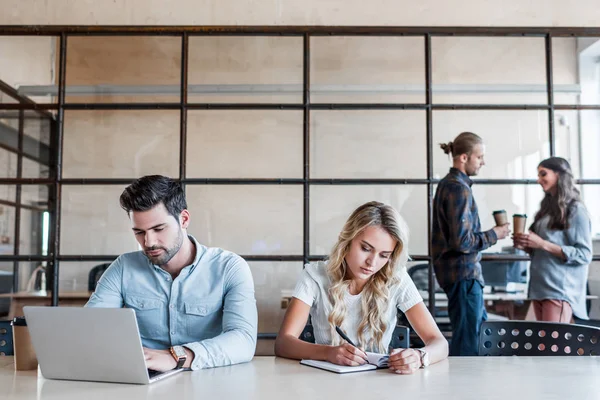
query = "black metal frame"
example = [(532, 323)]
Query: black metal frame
[(306, 32)]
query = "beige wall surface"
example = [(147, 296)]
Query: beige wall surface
[(308, 12)]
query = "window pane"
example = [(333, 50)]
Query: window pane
[(515, 141), (121, 144), (37, 128), (367, 70), (229, 69), (590, 194), (8, 161), (330, 207), (123, 69), (7, 220), (273, 281), (515, 199), (74, 275), (575, 68), (27, 62), (578, 141), (35, 200), (244, 144), (248, 219), (503, 70), (368, 144), (93, 222)]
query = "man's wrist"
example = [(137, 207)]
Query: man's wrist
[(190, 357)]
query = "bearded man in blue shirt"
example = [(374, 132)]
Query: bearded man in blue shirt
[(194, 305)]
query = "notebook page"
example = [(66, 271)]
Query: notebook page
[(378, 359)]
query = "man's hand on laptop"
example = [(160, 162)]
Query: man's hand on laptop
[(159, 360)]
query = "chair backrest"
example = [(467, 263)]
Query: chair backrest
[(400, 336), (6, 339), (95, 274), (530, 338), (419, 274)]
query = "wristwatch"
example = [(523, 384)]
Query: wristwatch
[(179, 355), (424, 358)]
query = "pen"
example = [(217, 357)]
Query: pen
[(343, 335)]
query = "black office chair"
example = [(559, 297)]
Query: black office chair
[(420, 276), (95, 274), (530, 338), (6, 339), (400, 336)]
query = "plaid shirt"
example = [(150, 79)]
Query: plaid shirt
[(457, 240)]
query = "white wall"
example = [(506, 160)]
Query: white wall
[(308, 12)]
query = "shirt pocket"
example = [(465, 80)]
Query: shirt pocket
[(203, 316), (149, 313)]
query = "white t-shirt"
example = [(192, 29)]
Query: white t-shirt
[(313, 289)]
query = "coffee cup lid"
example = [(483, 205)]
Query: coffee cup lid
[(499, 212), (18, 321), (520, 215)]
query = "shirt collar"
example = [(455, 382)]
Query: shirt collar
[(461, 176), (188, 268)]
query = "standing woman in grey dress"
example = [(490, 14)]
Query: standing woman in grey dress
[(560, 244)]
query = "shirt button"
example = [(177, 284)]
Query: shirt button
[(172, 305), (172, 332), (168, 279)]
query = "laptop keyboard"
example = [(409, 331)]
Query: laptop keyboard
[(152, 373)]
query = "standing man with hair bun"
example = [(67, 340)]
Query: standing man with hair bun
[(457, 242)]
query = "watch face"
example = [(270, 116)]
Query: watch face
[(179, 351), (425, 359)]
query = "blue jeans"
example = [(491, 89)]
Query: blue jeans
[(467, 312)]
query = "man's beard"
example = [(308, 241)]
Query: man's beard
[(168, 253)]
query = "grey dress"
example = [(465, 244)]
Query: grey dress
[(555, 279)]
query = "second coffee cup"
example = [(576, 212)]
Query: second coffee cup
[(519, 223)]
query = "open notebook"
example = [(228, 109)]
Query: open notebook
[(376, 360)]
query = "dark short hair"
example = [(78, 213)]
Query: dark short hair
[(151, 190)]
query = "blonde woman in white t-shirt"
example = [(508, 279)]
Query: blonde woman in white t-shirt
[(359, 289)]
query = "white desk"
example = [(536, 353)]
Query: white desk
[(502, 378)]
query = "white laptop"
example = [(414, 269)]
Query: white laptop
[(89, 344)]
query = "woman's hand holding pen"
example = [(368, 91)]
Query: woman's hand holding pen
[(404, 361), (346, 354)]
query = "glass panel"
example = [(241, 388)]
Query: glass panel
[(8, 163), (332, 205), (93, 222), (29, 64), (502, 70), (74, 275), (590, 194), (576, 70), (273, 281), (248, 219), (9, 130), (123, 69), (368, 144), (244, 144), (226, 69), (37, 128), (515, 141), (120, 144), (35, 201), (515, 199), (7, 224), (367, 70), (577, 140)]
